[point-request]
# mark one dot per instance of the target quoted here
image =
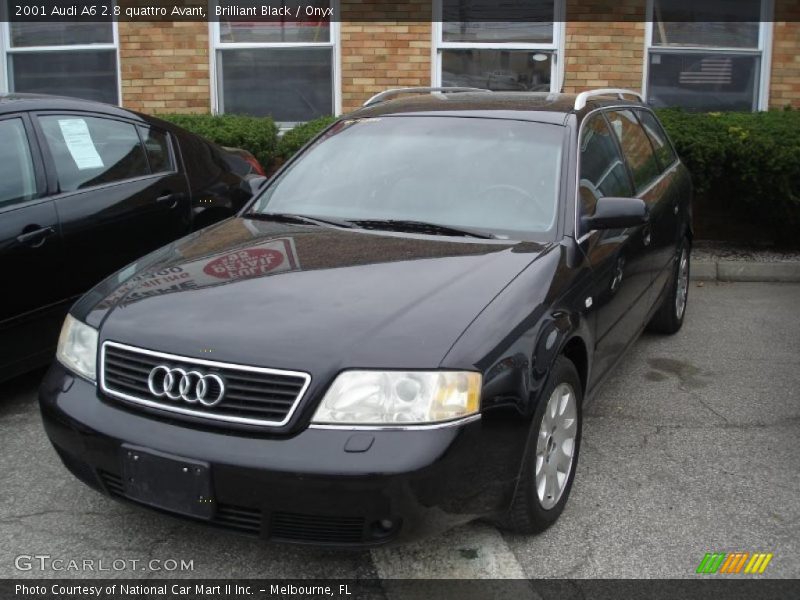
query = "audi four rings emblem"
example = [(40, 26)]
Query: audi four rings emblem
[(189, 386)]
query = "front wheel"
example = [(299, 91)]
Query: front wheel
[(551, 455), (669, 317)]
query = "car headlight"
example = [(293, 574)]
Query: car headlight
[(399, 397), (77, 348)]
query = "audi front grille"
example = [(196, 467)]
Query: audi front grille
[(250, 395)]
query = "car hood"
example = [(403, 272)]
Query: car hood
[(305, 297)]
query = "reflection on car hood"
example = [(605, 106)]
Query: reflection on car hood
[(299, 297)]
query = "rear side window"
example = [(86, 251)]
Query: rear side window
[(664, 152), (636, 147), (17, 177), (603, 172), (90, 151), (156, 144)]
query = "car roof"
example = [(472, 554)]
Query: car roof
[(25, 102), (525, 106)]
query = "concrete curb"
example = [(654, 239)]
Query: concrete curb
[(736, 270)]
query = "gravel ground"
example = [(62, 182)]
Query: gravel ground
[(707, 250)]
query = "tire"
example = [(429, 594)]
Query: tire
[(669, 316), (533, 510)]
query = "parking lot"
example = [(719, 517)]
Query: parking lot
[(692, 446)]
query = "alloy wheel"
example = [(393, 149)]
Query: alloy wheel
[(555, 445), (682, 284)]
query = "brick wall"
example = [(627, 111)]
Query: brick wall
[(785, 79), (604, 52), (164, 66), (383, 54)]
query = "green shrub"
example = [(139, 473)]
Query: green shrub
[(258, 135), (296, 138), (749, 162)]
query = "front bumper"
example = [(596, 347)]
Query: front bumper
[(311, 487)]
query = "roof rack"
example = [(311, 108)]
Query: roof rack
[(580, 101), (387, 94)]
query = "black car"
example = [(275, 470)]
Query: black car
[(85, 188), (397, 335)]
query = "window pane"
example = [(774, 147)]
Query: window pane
[(91, 151), (499, 70), (479, 173), (60, 34), (156, 145), (528, 21), (83, 74), (704, 82), (305, 28), (723, 23), (17, 179), (664, 152), (602, 171), (291, 84), (488, 32), (636, 147)]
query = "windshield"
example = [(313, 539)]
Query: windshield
[(494, 175)]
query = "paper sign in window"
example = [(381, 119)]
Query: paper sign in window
[(79, 143)]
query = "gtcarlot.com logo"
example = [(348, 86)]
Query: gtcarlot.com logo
[(734, 563), (46, 562)]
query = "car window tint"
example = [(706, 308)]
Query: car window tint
[(664, 152), (156, 145), (90, 151), (603, 173), (635, 147), (17, 177)]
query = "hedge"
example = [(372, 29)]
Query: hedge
[(746, 165), (296, 138), (258, 135)]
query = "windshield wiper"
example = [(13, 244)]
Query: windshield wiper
[(421, 227), (292, 218)]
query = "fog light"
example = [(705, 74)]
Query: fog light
[(386, 524)]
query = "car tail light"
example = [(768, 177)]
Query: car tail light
[(253, 161)]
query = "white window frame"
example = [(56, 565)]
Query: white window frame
[(335, 43), (764, 51), (6, 50), (556, 48)]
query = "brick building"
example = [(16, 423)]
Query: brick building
[(742, 57)]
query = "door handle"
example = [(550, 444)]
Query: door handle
[(169, 197), (36, 237)]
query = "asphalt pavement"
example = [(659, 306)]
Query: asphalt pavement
[(692, 446)]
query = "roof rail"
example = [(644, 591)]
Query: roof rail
[(580, 101), (387, 94)]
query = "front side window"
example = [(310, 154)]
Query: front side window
[(487, 174), (602, 170), (17, 177), (636, 147), (706, 56), (500, 56), (63, 58), (89, 151), (283, 69)]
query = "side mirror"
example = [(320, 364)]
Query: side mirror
[(254, 183), (617, 213)]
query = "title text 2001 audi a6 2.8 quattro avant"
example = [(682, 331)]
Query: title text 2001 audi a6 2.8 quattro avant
[(397, 335)]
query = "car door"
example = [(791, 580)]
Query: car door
[(665, 202), (117, 190), (618, 257), (31, 254)]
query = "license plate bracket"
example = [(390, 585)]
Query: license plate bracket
[(172, 483)]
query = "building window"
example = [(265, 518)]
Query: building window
[(67, 59), (284, 69), (708, 56), (474, 49)]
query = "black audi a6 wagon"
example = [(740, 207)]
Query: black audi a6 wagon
[(397, 335)]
